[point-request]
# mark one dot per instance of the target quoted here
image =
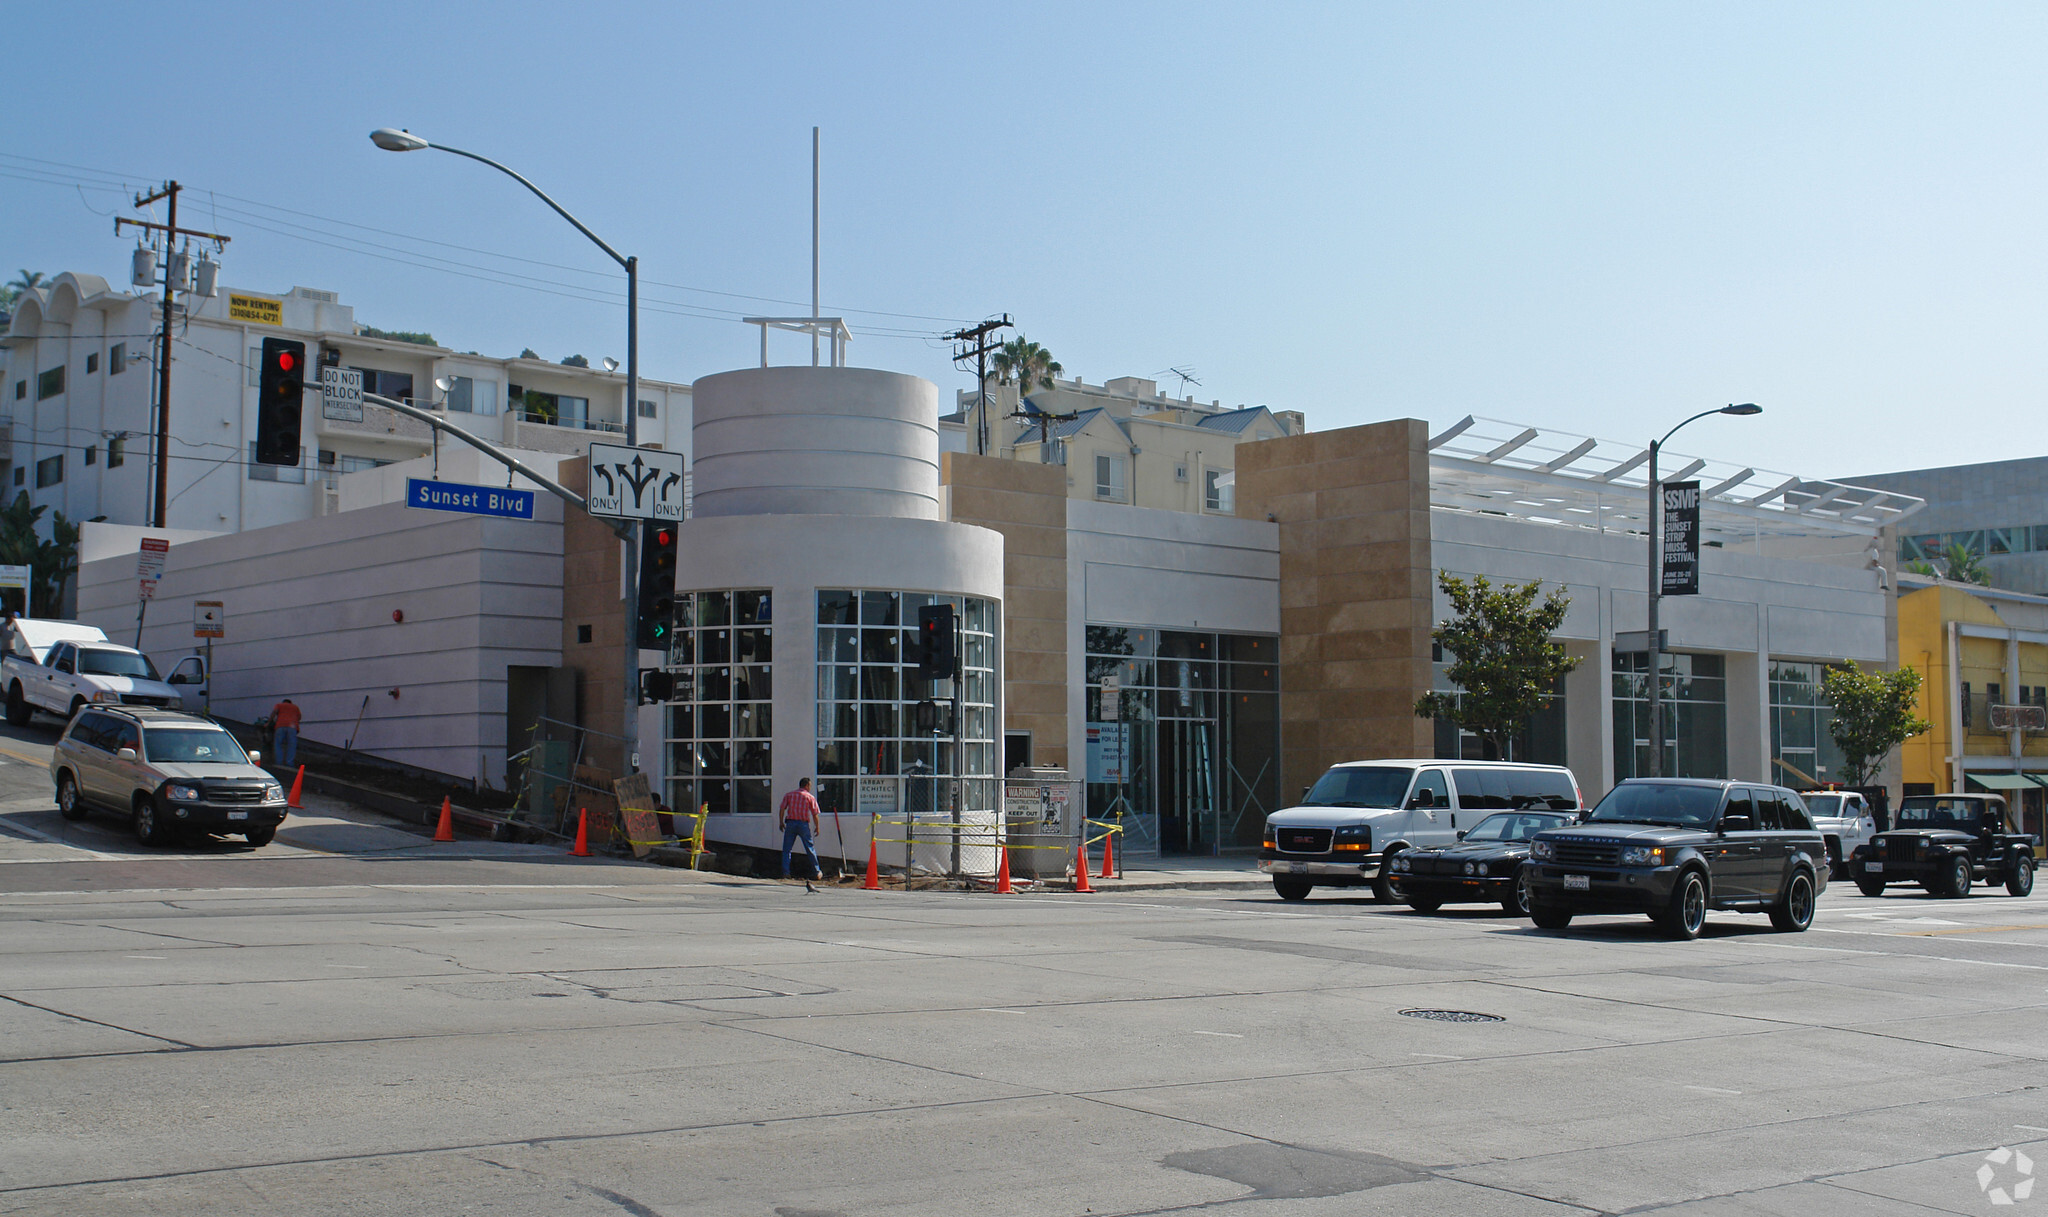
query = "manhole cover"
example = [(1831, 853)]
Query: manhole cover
[(1453, 1016)]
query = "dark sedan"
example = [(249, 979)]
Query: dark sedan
[(1484, 867)]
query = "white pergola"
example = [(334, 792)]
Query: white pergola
[(1485, 465)]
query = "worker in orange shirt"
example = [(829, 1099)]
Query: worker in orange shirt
[(284, 727)]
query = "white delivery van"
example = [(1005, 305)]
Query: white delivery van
[(1362, 813)]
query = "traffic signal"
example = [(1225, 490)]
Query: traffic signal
[(280, 397), (657, 585), (938, 631), (657, 685)]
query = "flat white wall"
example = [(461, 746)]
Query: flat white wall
[(309, 615), (1166, 569)]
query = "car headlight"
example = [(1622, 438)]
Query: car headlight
[(1399, 863), (1641, 855), (1542, 851), (184, 794), (1471, 868), (273, 793), (105, 695)]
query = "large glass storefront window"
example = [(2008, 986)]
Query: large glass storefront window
[(1803, 752), (881, 740), (1540, 740), (721, 725), (1695, 692), (1189, 761)]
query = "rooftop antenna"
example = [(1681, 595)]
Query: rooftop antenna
[(1187, 377)]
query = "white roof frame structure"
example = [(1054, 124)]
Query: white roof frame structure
[(1494, 467)]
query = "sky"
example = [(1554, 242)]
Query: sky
[(1595, 217)]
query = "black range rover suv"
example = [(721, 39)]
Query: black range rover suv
[(1676, 847)]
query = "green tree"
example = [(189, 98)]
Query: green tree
[(1031, 366), (417, 337), (1505, 658), (1873, 715), (51, 562), (16, 286), (1962, 565), (575, 361)]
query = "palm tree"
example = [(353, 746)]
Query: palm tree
[(1030, 365), (1963, 566), (22, 282)]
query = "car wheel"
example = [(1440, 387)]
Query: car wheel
[(260, 837), (68, 802), (18, 709), (1518, 905), (2019, 877), (1550, 916), (1422, 905), (1795, 912), (1688, 911), (1955, 878), (1870, 885), (149, 829), (1292, 889)]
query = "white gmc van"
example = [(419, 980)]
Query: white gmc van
[(1362, 813)]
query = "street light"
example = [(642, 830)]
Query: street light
[(395, 140), (1657, 583)]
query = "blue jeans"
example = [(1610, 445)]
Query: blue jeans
[(792, 832), (287, 746)]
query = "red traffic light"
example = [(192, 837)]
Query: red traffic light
[(286, 360), (663, 536)]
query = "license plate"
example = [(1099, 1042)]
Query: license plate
[(238, 815), (1577, 883), (1299, 868), (1873, 868)]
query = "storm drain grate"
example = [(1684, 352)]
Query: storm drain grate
[(1454, 1016)]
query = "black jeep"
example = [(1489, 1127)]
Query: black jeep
[(1945, 843)]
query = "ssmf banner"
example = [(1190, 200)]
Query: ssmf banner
[(1681, 539)]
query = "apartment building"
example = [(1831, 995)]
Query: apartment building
[(78, 386)]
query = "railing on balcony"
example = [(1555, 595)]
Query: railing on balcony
[(574, 424)]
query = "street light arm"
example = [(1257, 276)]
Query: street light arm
[(616, 256), (506, 459), (1695, 418)]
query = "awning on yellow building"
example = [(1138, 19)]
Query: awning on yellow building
[(2004, 781)]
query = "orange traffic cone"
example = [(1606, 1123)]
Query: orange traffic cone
[(446, 832), (298, 783), (1003, 872), (874, 883), (1081, 868), (582, 849), (1108, 856)]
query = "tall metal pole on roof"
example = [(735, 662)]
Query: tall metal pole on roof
[(1656, 589), (814, 247)]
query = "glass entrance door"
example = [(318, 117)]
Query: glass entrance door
[(1188, 811)]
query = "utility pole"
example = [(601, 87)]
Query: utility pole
[(171, 233), (979, 352)]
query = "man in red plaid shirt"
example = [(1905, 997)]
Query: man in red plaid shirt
[(799, 811)]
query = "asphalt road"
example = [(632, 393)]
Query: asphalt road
[(365, 1023)]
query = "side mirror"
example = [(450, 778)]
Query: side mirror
[(1737, 824), (1304, 794), (255, 757), (1461, 834), (125, 754), (1423, 798)]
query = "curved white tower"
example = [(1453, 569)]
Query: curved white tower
[(816, 536)]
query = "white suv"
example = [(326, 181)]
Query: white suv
[(1845, 822)]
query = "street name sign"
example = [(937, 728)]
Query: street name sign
[(341, 394), (469, 500), (635, 483)]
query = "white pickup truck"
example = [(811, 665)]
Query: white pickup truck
[(59, 666)]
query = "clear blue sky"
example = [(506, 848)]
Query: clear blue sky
[(1597, 217)]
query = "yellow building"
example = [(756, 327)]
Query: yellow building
[(1983, 658)]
